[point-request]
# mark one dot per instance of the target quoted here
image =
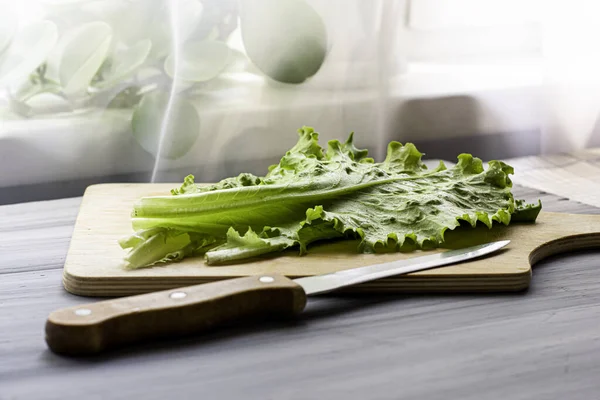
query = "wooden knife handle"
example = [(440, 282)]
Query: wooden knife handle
[(96, 327)]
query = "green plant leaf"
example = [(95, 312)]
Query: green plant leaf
[(526, 212), (124, 64), (126, 98), (198, 61), (28, 50), (48, 102), (25, 92), (248, 245), (315, 194), (82, 55), (285, 39), (152, 20), (181, 129)]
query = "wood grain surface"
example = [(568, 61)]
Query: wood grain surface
[(543, 343), (110, 324), (94, 264)]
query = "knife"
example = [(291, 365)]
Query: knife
[(96, 327)]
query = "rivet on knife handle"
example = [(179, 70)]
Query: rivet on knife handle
[(100, 326)]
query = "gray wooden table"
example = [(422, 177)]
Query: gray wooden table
[(540, 344)]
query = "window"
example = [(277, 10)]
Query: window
[(466, 30)]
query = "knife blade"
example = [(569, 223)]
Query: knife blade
[(104, 325)]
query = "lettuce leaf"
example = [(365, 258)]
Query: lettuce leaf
[(315, 194)]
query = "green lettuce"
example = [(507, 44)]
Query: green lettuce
[(315, 194)]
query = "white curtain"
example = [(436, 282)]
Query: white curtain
[(572, 76), (85, 85), (99, 88)]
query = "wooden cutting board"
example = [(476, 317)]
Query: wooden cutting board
[(93, 266)]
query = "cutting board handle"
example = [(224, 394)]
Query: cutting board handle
[(96, 327), (564, 244)]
